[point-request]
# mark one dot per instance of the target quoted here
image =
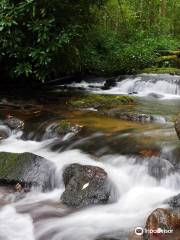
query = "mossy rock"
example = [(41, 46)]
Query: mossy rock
[(163, 70), (59, 129), (97, 101), (167, 58), (64, 127), (168, 61), (170, 52), (27, 169), (129, 116)]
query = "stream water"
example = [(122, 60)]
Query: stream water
[(132, 153)]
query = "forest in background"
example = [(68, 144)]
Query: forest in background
[(44, 40)]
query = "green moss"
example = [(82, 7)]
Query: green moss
[(9, 165), (167, 58), (7, 161), (162, 70), (63, 126), (24, 168), (95, 100), (14, 165)]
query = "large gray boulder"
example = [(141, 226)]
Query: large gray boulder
[(85, 185), (14, 123), (26, 169)]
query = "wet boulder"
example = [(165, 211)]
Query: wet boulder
[(60, 129), (133, 93), (14, 123), (130, 116), (111, 82), (5, 132), (163, 224), (85, 185), (174, 202), (177, 126), (155, 95), (26, 169), (159, 168)]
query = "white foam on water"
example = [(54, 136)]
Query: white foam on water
[(14, 226), (166, 86), (87, 85)]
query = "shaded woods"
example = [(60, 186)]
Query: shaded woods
[(45, 40)]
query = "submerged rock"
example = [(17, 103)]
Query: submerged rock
[(130, 116), (177, 126), (155, 95), (14, 123), (27, 169), (133, 93), (160, 168), (85, 185)]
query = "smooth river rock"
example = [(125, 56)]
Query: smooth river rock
[(130, 116), (159, 167), (85, 185), (60, 129), (5, 132), (27, 169), (14, 123), (165, 219), (174, 202)]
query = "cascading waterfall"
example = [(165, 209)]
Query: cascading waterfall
[(164, 85)]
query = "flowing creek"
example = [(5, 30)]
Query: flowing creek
[(127, 150)]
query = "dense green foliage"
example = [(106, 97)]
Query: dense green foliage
[(48, 39), (41, 39)]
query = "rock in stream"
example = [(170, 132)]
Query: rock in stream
[(26, 169), (130, 116), (85, 185), (14, 123)]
